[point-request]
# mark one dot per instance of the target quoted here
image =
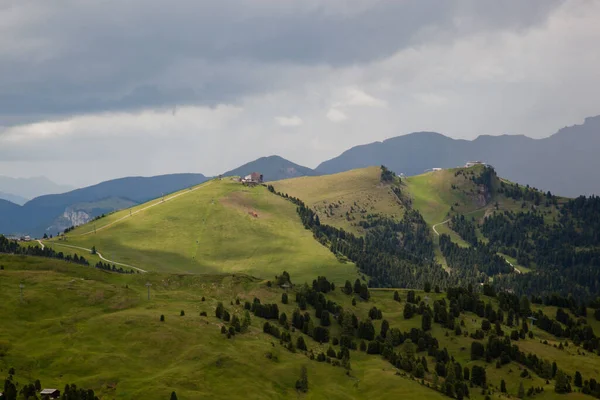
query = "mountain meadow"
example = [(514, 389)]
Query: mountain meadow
[(456, 283)]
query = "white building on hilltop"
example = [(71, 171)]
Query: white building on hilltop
[(470, 164)]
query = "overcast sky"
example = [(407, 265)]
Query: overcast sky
[(102, 89)]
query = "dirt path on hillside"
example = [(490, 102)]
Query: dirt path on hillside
[(162, 201), (99, 255), (131, 214), (472, 212)]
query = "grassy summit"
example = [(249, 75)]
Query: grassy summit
[(218, 227)]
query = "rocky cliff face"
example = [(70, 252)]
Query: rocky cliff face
[(76, 217), (484, 196), (70, 217)]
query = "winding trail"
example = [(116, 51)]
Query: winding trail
[(162, 201), (131, 214), (438, 224), (99, 255), (472, 212)]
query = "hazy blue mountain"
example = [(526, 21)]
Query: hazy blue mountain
[(13, 198), (564, 163), (273, 168), (31, 187), (53, 213)]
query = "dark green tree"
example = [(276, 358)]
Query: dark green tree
[(385, 326), (524, 307), (426, 321), (348, 288), (300, 343), (284, 298), (219, 310), (173, 396), (357, 286), (302, 383), (562, 383), (325, 319), (578, 379)]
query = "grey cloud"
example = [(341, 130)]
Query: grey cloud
[(114, 55)]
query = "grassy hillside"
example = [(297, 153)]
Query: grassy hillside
[(344, 199), (218, 227), (101, 332), (348, 199), (436, 193)]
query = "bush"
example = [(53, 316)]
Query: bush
[(162, 318), (182, 313)]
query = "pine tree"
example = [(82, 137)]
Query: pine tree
[(426, 321), (357, 286), (521, 392), (348, 287), (302, 383), (219, 310), (173, 396), (385, 326), (503, 386), (247, 321), (578, 379), (300, 343), (562, 383)]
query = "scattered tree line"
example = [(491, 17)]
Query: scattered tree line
[(13, 247), (393, 253), (32, 390)]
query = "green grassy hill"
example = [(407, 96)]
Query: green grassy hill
[(346, 199), (342, 200), (96, 329), (218, 227)]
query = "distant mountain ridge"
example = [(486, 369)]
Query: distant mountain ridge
[(564, 163), (13, 198), (273, 168), (28, 188)]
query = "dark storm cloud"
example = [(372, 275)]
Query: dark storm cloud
[(107, 56)]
